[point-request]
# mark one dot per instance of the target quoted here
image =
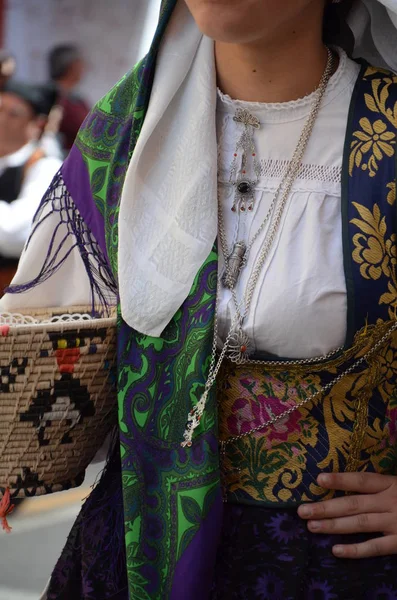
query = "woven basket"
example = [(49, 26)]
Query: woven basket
[(57, 397)]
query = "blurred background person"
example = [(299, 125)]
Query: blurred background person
[(51, 140), (66, 70), (8, 66), (25, 169)]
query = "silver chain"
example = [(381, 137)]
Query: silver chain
[(287, 185), (295, 363), (196, 413), (326, 388)]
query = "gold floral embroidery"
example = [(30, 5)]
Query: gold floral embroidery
[(390, 298), (279, 464), (371, 248), (387, 366), (388, 362), (391, 196), (375, 252), (272, 466), (374, 141), (378, 101), (257, 462), (371, 145), (376, 71), (361, 416)]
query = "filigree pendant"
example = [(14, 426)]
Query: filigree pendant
[(246, 118), (244, 196), (234, 263), (240, 346)]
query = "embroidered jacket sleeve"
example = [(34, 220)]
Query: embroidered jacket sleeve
[(62, 264)]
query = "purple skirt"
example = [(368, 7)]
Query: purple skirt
[(269, 554), (264, 554)]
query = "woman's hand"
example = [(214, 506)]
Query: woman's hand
[(373, 511)]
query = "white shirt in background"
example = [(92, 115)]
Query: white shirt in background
[(16, 217)]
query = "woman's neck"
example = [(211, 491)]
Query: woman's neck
[(273, 71)]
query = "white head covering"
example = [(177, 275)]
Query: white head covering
[(168, 212), (374, 25)]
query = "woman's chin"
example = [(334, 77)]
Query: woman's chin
[(248, 21), (229, 30), (234, 21)]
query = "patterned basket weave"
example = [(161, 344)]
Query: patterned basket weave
[(57, 397)]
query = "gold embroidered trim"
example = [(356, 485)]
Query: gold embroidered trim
[(361, 419), (269, 465)]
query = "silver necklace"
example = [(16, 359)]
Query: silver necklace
[(240, 346), (237, 258), (235, 331), (244, 187)]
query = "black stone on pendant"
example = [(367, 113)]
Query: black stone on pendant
[(244, 188)]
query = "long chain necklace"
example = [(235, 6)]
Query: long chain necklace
[(238, 257), (236, 334), (240, 346)]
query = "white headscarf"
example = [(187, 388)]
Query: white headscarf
[(374, 25), (168, 213)]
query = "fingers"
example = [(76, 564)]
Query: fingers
[(384, 546), (363, 483), (341, 507), (364, 523), (372, 510)]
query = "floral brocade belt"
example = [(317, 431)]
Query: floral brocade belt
[(328, 416)]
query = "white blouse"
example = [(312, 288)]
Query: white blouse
[(299, 306)]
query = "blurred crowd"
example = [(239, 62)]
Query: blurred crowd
[(38, 125)]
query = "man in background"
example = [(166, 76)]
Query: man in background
[(25, 170), (66, 70)]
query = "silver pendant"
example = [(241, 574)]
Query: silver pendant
[(244, 196), (239, 347), (234, 264)]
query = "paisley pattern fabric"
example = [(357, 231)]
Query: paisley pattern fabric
[(105, 142), (172, 501), (170, 494)]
